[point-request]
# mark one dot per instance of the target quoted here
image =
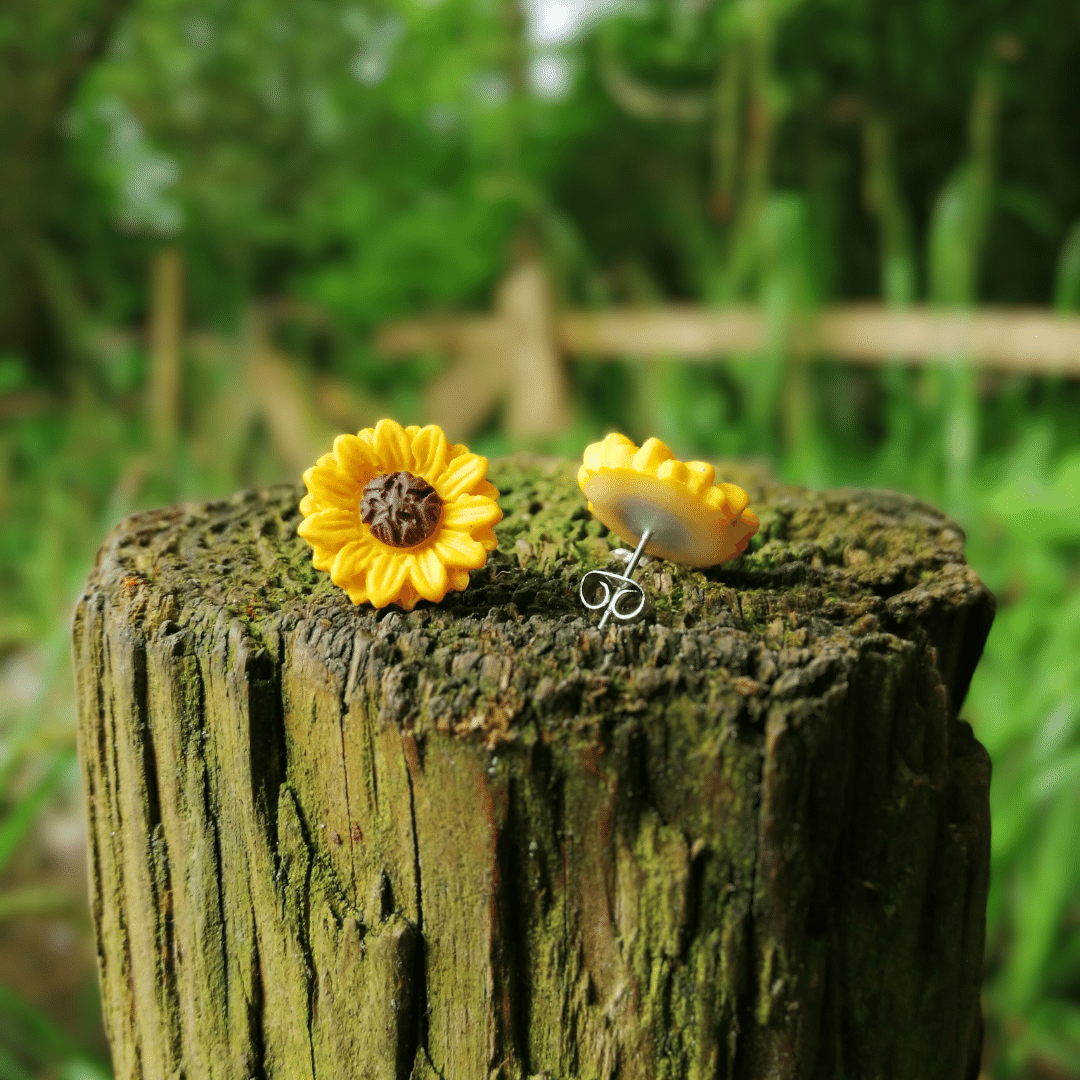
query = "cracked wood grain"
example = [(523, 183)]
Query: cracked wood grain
[(745, 838)]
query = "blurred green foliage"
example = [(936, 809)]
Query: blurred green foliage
[(384, 158)]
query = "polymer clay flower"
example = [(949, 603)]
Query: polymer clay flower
[(398, 514), (689, 519)]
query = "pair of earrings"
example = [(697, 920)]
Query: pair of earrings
[(398, 514)]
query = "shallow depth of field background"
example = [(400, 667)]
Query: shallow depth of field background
[(310, 169)]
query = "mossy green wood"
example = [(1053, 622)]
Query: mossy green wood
[(745, 837)]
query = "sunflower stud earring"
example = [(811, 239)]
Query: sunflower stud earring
[(667, 508), (397, 514)]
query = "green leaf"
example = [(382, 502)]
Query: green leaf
[(953, 231), (1067, 279), (1031, 207)]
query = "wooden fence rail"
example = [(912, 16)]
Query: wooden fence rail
[(1020, 340), (1033, 340)]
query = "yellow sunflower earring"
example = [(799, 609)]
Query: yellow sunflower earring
[(398, 514), (668, 508)]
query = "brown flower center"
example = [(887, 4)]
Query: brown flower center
[(402, 510)]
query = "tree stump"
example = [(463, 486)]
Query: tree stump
[(745, 837)]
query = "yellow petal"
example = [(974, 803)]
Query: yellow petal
[(485, 538), (702, 476), (673, 470), (736, 497), (617, 451), (357, 594), (332, 527), (461, 476), (715, 499), (703, 469), (430, 452), (355, 459), (352, 561), (392, 447), (311, 504), (459, 551), (471, 511), (385, 576), (487, 489), (322, 558), (592, 459), (459, 579), (331, 487), (428, 575), (408, 597), (411, 431), (739, 534), (651, 456)]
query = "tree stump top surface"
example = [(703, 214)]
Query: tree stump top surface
[(826, 571)]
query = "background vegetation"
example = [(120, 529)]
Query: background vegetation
[(385, 158)]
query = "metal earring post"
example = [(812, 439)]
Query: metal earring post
[(627, 587)]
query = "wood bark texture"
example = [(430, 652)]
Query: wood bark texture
[(744, 837)]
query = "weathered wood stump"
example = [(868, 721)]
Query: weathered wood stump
[(745, 837)]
